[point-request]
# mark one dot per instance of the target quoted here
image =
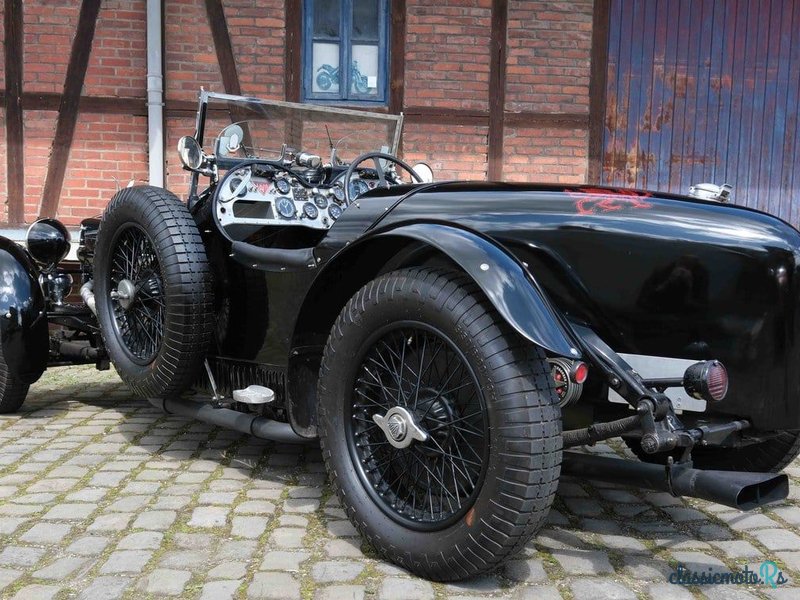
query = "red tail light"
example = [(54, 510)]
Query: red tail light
[(580, 371), (707, 380)]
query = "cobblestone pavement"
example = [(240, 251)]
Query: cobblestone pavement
[(103, 497)]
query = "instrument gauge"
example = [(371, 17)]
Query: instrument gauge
[(237, 189), (335, 211), (285, 208), (358, 187), (338, 193), (320, 200), (283, 186), (310, 211)]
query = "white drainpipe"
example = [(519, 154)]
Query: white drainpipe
[(155, 94)]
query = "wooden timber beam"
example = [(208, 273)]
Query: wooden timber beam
[(137, 107), (548, 120), (292, 69), (223, 47), (68, 108), (397, 56), (49, 101), (15, 173), (497, 87), (459, 116)]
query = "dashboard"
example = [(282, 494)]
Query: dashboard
[(248, 197)]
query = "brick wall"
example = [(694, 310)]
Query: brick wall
[(107, 153), (447, 54), (190, 58), (446, 67), (547, 71), (549, 45), (49, 28), (105, 147), (257, 36), (453, 152), (545, 154), (118, 62), (38, 129)]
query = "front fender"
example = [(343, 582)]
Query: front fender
[(23, 321), (507, 284)]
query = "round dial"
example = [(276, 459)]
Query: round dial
[(320, 200), (283, 186), (358, 187), (310, 211), (338, 193), (335, 211), (236, 185), (285, 208)]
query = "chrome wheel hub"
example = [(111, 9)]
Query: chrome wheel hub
[(125, 293), (399, 427)]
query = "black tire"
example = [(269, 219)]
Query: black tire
[(770, 456), (12, 390), (174, 293), (516, 481)]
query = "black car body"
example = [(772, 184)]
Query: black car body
[(592, 280)]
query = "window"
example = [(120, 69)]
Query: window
[(345, 32)]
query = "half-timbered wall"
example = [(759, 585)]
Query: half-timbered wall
[(490, 88)]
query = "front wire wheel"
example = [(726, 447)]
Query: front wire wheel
[(137, 294), (439, 425), (154, 291)]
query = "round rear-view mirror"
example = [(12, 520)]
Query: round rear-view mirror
[(424, 171), (190, 153)]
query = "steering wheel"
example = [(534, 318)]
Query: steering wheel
[(376, 158)]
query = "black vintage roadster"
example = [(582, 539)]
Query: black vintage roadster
[(445, 341)]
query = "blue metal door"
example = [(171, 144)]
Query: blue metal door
[(705, 91)]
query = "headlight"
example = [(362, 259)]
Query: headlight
[(48, 242)]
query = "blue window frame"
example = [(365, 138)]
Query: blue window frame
[(345, 32)]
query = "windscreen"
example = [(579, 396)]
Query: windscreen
[(259, 129)]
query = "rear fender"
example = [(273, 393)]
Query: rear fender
[(504, 280), (507, 284), (23, 320)]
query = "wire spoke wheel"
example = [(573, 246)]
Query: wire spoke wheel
[(137, 294), (154, 291), (438, 425), (418, 426)]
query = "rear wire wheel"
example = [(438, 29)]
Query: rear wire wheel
[(431, 484), (439, 424)]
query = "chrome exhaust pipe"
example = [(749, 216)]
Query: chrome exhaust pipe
[(260, 427), (87, 295), (737, 489)]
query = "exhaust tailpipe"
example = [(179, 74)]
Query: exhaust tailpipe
[(736, 489), (260, 427)]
